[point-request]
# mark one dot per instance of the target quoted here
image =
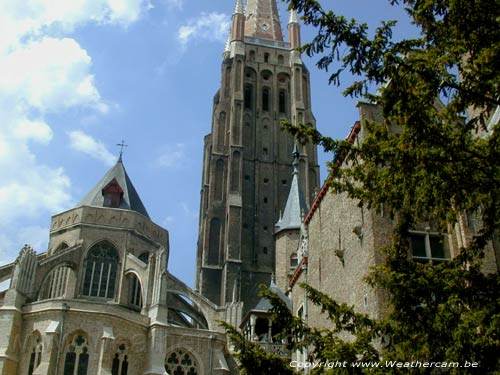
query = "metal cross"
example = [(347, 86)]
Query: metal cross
[(122, 146)]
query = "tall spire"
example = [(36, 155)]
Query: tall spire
[(294, 29), (296, 204), (262, 20)]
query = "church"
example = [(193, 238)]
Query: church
[(100, 298)]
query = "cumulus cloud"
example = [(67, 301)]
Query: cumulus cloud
[(82, 142), (209, 26), (48, 75)]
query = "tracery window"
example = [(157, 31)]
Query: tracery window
[(180, 362), (120, 361), (76, 361), (36, 355), (100, 271), (55, 283)]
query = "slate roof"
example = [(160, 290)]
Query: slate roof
[(296, 203), (265, 306), (130, 200)]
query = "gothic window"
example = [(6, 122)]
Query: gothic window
[(36, 354), (55, 283), (76, 361), (101, 267), (427, 246), (112, 194), (180, 362), (294, 260), (214, 242), (248, 96), (235, 171), (218, 181), (120, 361), (135, 291), (282, 101), (221, 130), (265, 99)]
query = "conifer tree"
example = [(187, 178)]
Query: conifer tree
[(440, 90)]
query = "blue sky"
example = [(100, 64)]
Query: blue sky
[(77, 77)]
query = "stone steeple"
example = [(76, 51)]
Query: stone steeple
[(246, 166), (262, 20)]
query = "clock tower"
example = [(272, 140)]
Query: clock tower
[(247, 166)]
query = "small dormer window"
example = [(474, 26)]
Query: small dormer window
[(112, 194)]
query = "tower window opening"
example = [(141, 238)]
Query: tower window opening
[(265, 99), (283, 182), (294, 260), (248, 97), (266, 180), (265, 151), (266, 57), (282, 101), (264, 250), (265, 199)]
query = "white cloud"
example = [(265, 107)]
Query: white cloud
[(172, 155), (34, 17), (210, 26), (82, 142), (28, 189), (48, 75), (35, 130)]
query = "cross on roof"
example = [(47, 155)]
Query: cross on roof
[(122, 146)]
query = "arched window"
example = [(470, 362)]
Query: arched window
[(76, 361), (135, 292), (120, 361), (55, 283), (100, 271), (214, 242), (36, 354), (219, 179), (180, 362)]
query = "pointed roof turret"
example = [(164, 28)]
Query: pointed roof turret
[(294, 18), (115, 190), (262, 20), (264, 305), (238, 7), (296, 204)]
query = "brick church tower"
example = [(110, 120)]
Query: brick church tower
[(247, 166)]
